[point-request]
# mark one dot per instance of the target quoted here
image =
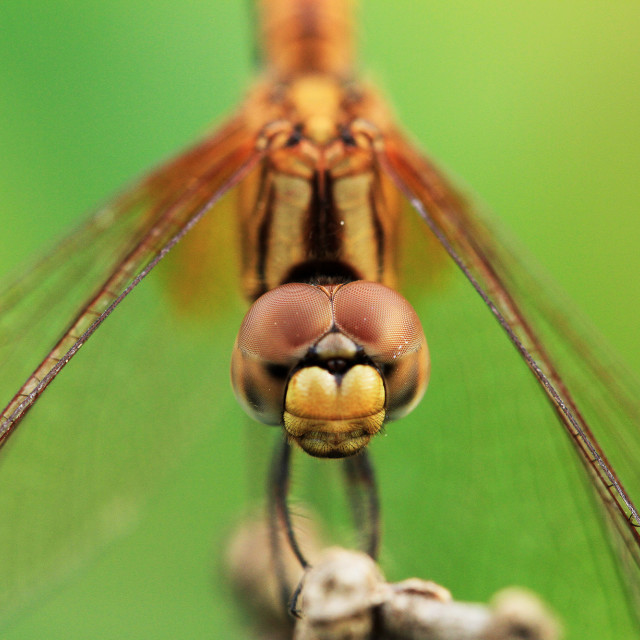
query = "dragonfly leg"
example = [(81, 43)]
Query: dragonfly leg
[(363, 498), (280, 520)]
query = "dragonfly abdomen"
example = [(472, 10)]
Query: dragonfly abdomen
[(301, 36)]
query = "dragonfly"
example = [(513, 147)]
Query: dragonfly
[(381, 452)]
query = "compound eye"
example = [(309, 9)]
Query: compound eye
[(387, 327), (276, 333)]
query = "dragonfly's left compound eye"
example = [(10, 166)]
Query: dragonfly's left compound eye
[(330, 363)]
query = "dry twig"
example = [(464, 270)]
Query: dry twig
[(346, 597)]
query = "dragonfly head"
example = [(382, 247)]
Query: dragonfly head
[(330, 363)]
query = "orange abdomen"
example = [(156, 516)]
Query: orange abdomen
[(307, 36)]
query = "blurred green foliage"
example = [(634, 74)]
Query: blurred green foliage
[(535, 105)]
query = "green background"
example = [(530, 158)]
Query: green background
[(534, 105)]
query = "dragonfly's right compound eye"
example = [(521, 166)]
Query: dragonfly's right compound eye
[(276, 334), (330, 363)]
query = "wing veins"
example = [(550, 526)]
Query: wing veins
[(412, 179), (228, 171)]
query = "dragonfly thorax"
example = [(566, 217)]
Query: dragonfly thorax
[(323, 209)]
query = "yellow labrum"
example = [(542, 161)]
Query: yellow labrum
[(333, 416)]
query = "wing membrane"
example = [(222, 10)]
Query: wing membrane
[(560, 350), (61, 500), (127, 238)]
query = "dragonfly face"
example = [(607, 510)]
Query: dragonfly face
[(491, 180)]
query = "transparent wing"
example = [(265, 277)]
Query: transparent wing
[(59, 498), (123, 242), (591, 393)]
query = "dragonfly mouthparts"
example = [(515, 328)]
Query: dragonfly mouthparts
[(334, 415)]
